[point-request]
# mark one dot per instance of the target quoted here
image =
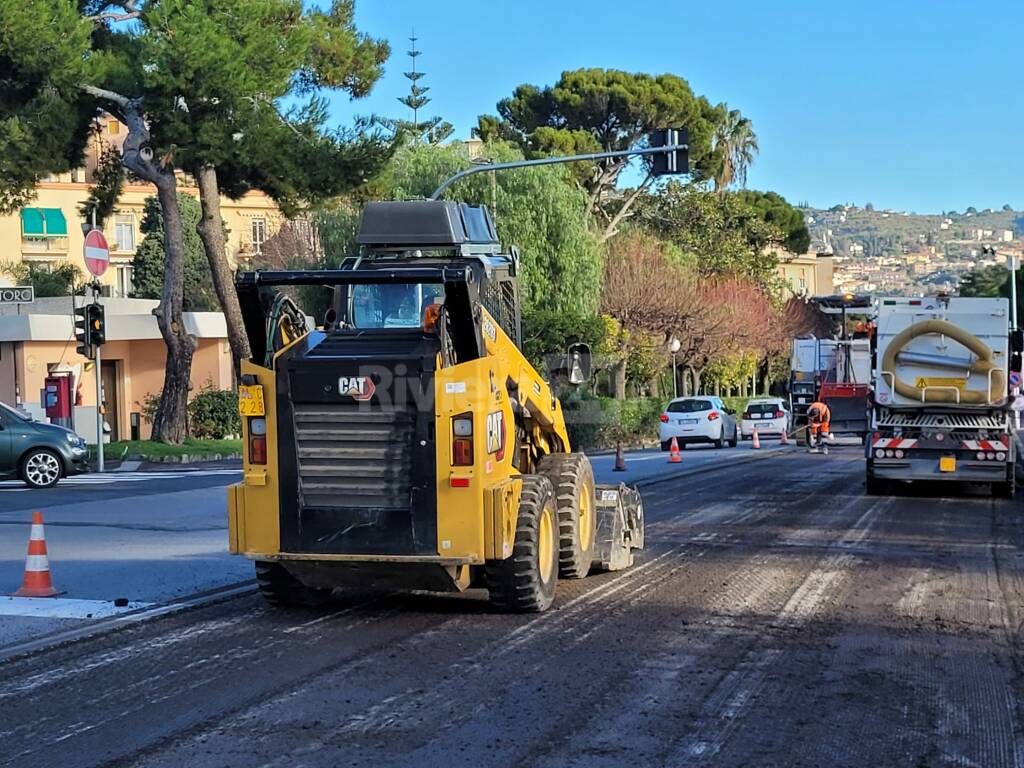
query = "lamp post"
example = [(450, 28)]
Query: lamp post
[(674, 346)]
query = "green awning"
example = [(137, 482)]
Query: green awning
[(56, 224), (43, 222), (32, 222)]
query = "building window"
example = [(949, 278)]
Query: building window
[(803, 284), (124, 286), (259, 235), (124, 232), (113, 127), (43, 230)]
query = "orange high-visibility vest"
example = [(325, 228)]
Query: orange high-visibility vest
[(819, 412)]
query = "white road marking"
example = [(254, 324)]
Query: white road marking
[(105, 478), (62, 608)]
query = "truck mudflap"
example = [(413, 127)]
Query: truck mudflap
[(620, 526)]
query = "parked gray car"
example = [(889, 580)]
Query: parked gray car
[(40, 454)]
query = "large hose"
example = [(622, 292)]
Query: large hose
[(983, 365)]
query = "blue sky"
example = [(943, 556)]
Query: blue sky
[(910, 105)]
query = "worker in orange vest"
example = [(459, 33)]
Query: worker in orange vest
[(818, 418)]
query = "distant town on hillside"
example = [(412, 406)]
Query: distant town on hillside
[(901, 252)]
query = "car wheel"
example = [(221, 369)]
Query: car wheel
[(41, 468), (735, 439)]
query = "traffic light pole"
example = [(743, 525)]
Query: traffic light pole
[(99, 389)]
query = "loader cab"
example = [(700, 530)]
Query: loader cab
[(434, 235)]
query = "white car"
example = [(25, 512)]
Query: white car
[(698, 420), (766, 416)]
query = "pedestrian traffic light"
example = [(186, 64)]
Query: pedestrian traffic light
[(669, 163), (97, 325), (82, 318)]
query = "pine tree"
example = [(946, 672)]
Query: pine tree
[(433, 130)]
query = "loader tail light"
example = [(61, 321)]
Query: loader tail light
[(664, 418), (713, 415), (257, 441), (462, 440)]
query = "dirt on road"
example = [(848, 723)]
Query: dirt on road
[(779, 617)]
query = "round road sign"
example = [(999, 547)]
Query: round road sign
[(1014, 379), (97, 253)]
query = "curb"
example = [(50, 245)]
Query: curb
[(124, 620)]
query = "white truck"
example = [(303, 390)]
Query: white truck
[(941, 405)]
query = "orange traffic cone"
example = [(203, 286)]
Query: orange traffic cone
[(673, 454), (757, 441), (37, 582), (620, 458)]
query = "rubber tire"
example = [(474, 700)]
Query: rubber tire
[(571, 475), (666, 445), (719, 443), (876, 486), (1004, 490), (24, 461), (281, 589), (735, 439), (514, 584)]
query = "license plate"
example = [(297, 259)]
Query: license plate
[(687, 421), (250, 400), (947, 464)]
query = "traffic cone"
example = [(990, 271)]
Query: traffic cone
[(620, 458), (37, 581), (784, 438), (757, 441), (673, 454)]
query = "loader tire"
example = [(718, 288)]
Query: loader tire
[(525, 581), (280, 588), (573, 481)]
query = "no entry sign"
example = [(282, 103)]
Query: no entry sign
[(97, 253)]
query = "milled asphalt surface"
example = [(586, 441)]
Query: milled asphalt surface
[(779, 617)]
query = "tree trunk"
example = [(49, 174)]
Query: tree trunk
[(619, 380), (211, 232), (170, 422), (654, 385)]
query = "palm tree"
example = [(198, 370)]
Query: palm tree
[(736, 144)]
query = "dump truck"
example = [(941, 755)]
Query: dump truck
[(407, 442), (942, 409)]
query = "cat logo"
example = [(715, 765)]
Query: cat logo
[(496, 434), (356, 387)]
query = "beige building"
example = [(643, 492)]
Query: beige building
[(809, 274), (49, 230), (37, 340)]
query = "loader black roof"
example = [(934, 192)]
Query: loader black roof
[(426, 223)]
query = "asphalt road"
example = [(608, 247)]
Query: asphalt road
[(778, 618)]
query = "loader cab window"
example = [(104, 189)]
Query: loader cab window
[(391, 306)]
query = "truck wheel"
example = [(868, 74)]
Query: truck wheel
[(525, 581), (280, 588), (876, 486), (1004, 490), (573, 480)]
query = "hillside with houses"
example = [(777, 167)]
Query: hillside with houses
[(894, 251)]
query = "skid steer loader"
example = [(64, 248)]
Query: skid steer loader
[(408, 443)]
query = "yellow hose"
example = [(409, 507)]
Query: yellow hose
[(984, 364)]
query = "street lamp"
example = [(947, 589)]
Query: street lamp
[(674, 346)]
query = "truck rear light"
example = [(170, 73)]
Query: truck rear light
[(940, 436), (462, 440), (899, 454), (980, 456), (991, 456), (713, 415), (257, 441), (664, 418), (876, 436), (879, 453), (1000, 456), (889, 453)]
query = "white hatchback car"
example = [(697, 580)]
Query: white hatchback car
[(768, 416), (698, 420)]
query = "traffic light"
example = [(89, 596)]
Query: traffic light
[(670, 163), (82, 335), (97, 325)]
